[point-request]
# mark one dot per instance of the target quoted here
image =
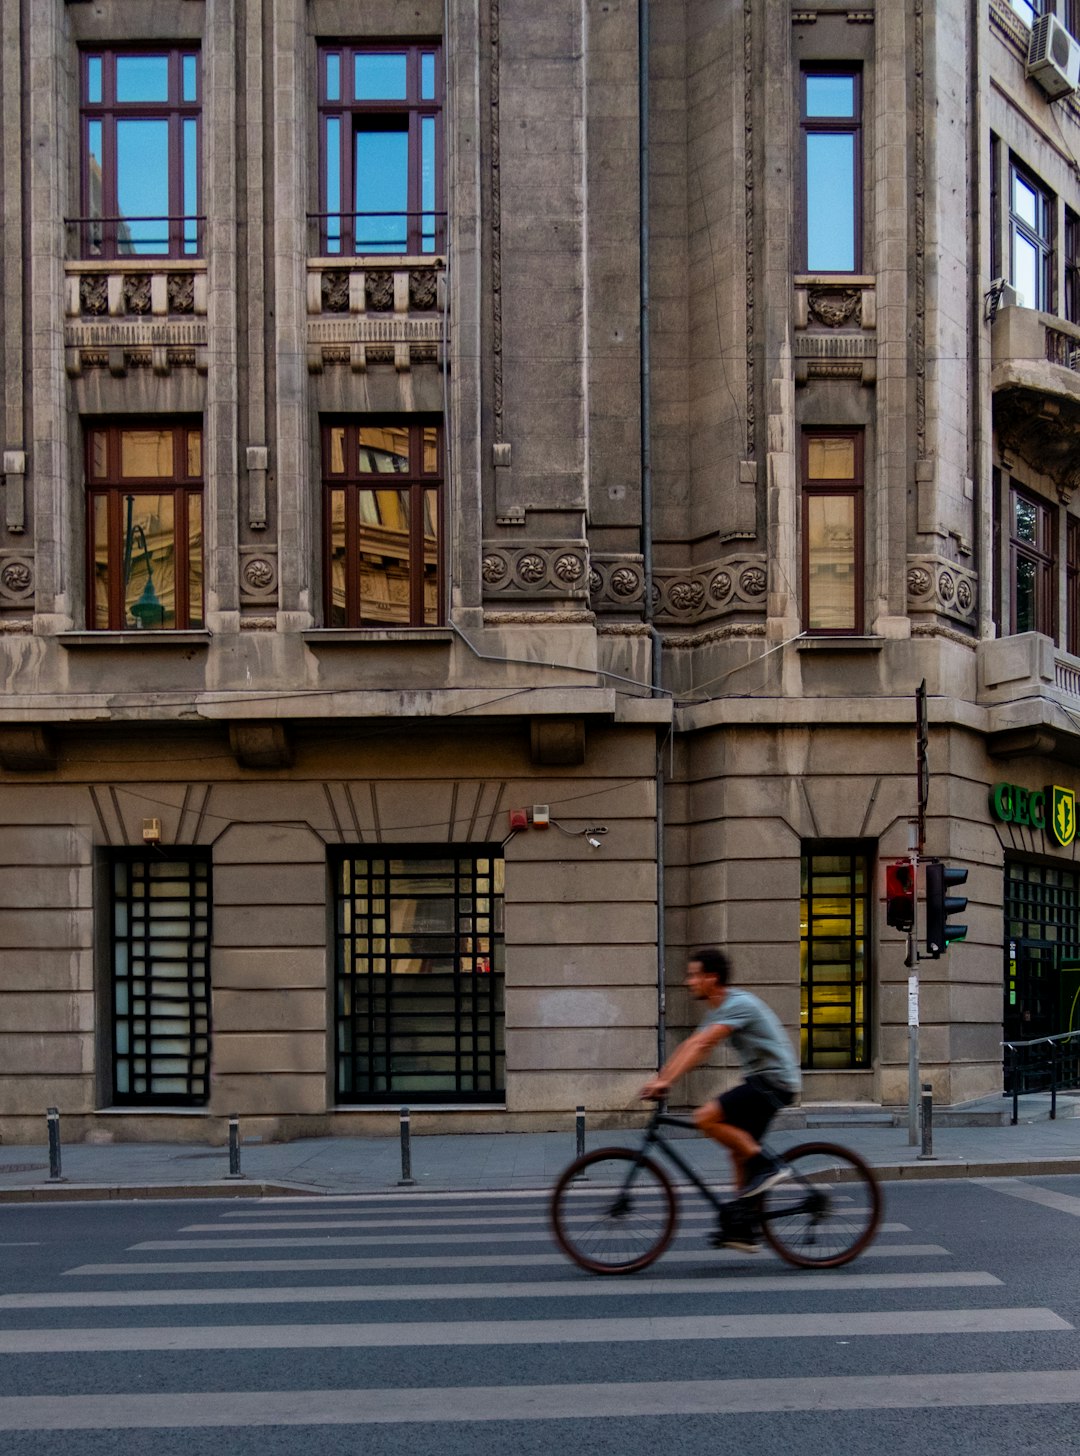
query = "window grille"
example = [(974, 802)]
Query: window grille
[(419, 975)]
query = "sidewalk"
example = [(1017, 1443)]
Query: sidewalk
[(500, 1161)]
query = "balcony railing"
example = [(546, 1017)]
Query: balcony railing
[(386, 234), (100, 238), (1044, 1064), (376, 310)]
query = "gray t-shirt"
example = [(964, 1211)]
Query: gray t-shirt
[(760, 1041)]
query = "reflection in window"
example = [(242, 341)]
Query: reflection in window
[(419, 975), (160, 942), (832, 171), (146, 528), (832, 533), (380, 150), (382, 541), (140, 116), (1032, 563), (1030, 240), (834, 956)]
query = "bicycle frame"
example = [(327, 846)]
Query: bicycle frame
[(654, 1140)]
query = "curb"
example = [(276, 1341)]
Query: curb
[(914, 1171)]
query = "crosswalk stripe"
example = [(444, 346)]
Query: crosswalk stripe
[(584, 1288), (478, 1236), (414, 1335), (468, 1404), (582, 1216), (1050, 1198), (443, 1261)]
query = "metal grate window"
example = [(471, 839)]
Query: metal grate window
[(419, 976), (835, 958), (1043, 903), (161, 979)]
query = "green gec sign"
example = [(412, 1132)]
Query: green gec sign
[(1053, 809)]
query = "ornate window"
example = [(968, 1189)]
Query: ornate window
[(140, 118), (1031, 227), (380, 149), (831, 109), (160, 943), (382, 502), (832, 532), (419, 974), (1032, 564), (145, 537), (834, 954)]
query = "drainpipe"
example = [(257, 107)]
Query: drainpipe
[(647, 501)]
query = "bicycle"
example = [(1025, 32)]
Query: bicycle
[(623, 1217)]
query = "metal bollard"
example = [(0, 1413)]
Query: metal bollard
[(581, 1132), (406, 1180), (234, 1145), (927, 1120), (52, 1116)]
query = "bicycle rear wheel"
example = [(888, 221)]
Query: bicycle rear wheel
[(621, 1219), (827, 1213)]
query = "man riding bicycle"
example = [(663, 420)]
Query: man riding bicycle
[(737, 1118)]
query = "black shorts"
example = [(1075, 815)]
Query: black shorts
[(753, 1104)]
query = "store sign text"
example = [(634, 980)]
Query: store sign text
[(1053, 809)]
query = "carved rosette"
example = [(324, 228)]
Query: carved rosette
[(537, 570), (258, 574), (735, 585), (942, 587), (16, 579), (616, 583)]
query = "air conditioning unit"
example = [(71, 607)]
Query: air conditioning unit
[(1053, 57)]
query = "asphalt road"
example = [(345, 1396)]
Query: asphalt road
[(416, 1324)]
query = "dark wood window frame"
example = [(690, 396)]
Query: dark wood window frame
[(818, 489), (1042, 554), (858, 1026), (114, 488), (354, 482), (1072, 585), (142, 999), (841, 125), (1039, 237), (99, 236), (433, 1032), (411, 110)]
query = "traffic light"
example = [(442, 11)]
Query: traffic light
[(900, 895), (940, 905)]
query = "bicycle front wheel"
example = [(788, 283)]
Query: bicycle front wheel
[(827, 1212), (619, 1217)]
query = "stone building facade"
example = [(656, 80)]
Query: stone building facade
[(477, 508)]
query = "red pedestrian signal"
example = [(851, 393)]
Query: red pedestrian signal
[(900, 895)]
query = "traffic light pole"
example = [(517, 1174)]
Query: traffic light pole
[(917, 847), (911, 960)]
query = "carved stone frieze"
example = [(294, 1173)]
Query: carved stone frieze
[(935, 584), (335, 292), (379, 290), (537, 569), (735, 584), (258, 574), (616, 582), (94, 294), (835, 307), (180, 291), (423, 288), (136, 293)]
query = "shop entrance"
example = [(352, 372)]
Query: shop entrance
[(1042, 951)]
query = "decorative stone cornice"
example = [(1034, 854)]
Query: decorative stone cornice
[(735, 584), (535, 569)]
